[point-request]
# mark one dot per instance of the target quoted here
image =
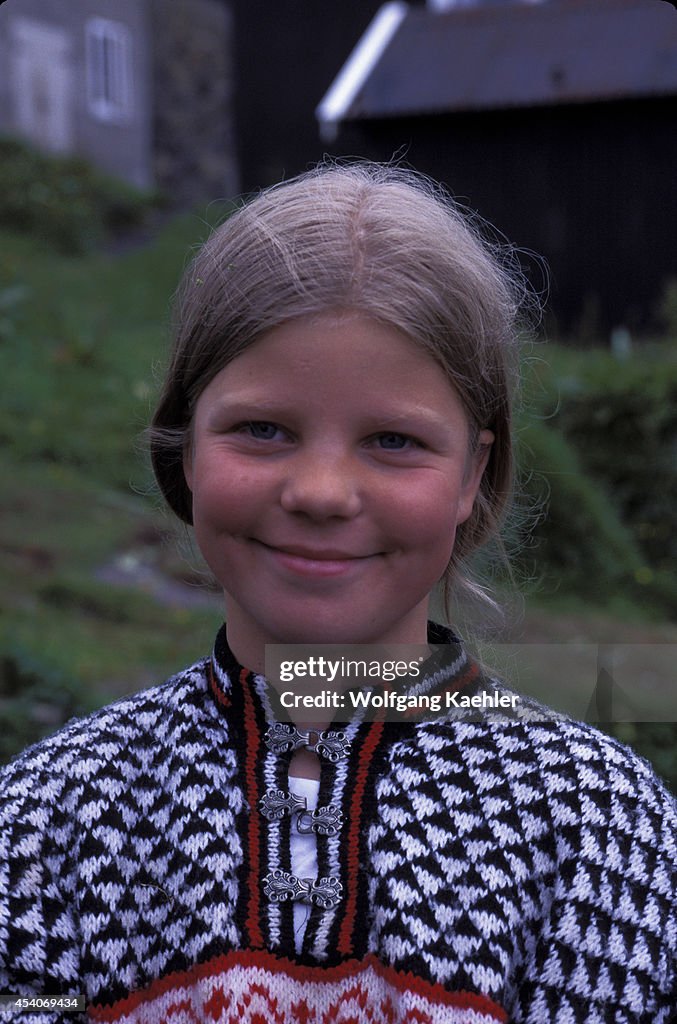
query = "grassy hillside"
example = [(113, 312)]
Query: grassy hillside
[(81, 340)]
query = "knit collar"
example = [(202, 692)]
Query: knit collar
[(449, 668)]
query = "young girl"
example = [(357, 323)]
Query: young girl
[(335, 424)]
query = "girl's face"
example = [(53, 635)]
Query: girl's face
[(329, 467)]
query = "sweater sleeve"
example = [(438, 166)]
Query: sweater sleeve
[(615, 909), (39, 946), (532, 862), (605, 948)]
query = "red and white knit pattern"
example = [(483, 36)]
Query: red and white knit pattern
[(259, 988)]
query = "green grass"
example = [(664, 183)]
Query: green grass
[(80, 342), (79, 347), (74, 641)]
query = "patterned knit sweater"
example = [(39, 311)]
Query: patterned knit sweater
[(470, 872)]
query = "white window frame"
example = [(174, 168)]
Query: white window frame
[(108, 57)]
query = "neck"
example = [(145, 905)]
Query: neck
[(248, 641)]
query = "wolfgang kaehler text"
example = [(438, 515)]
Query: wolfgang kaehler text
[(389, 700)]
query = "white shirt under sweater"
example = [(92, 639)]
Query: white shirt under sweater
[(303, 851)]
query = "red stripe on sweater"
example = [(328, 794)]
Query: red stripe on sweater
[(216, 689), (253, 883)]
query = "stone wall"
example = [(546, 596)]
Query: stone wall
[(193, 125)]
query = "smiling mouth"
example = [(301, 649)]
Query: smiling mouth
[(311, 562), (324, 555)]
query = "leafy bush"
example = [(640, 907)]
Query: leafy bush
[(35, 700), (656, 741), (599, 447), (580, 536), (623, 421), (64, 201), (667, 313)]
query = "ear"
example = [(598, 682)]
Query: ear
[(474, 471)]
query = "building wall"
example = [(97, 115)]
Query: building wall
[(193, 132), (142, 88), (45, 82), (588, 187), (288, 54)]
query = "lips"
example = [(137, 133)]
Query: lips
[(312, 554), (317, 563)]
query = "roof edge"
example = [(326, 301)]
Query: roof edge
[(338, 99)]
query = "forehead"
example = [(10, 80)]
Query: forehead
[(344, 363), (334, 345)]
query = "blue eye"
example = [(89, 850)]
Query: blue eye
[(394, 442), (262, 430)]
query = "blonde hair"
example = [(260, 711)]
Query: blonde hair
[(369, 238)]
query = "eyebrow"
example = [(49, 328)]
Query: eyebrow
[(412, 416), (243, 406), (406, 420)]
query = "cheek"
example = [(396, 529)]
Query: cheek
[(428, 515), (225, 492), (220, 512)]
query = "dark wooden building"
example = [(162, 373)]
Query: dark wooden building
[(287, 54), (556, 121)]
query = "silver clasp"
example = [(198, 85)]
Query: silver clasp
[(276, 803), (326, 821), (280, 886), (281, 737)]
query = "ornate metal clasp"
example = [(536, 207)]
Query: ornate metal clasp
[(281, 737), (326, 821), (332, 745), (280, 886), (326, 892), (276, 803)]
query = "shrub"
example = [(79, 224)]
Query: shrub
[(63, 200), (667, 313), (603, 453), (579, 537), (35, 700), (623, 421)]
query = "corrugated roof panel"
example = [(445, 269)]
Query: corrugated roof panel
[(489, 57)]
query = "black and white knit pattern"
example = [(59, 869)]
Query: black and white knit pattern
[(546, 859), (530, 862)]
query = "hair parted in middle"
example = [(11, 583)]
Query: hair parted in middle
[(374, 239)]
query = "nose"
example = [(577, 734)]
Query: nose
[(322, 485)]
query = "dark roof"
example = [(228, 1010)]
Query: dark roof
[(522, 54)]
